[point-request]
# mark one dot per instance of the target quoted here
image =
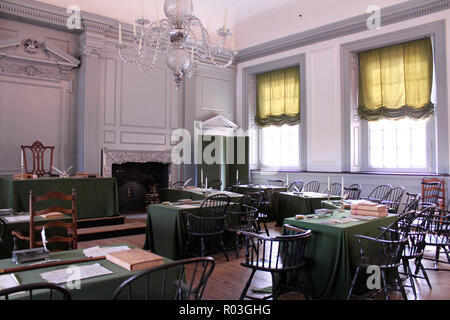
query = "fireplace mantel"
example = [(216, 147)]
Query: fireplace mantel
[(111, 157)]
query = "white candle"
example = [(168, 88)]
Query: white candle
[(287, 178), (206, 183), (140, 44), (21, 159), (201, 177), (342, 191), (170, 179), (237, 175), (329, 185), (120, 34)]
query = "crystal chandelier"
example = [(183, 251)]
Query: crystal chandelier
[(175, 38)]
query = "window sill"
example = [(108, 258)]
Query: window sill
[(378, 173)]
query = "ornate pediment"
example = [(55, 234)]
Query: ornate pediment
[(37, 60), (218, 125)]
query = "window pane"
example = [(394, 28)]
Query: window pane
[(397, 144), (280, 147)]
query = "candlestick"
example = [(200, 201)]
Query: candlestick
[(22, 167), (120, 34)]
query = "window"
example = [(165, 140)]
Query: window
[(277, 119), (399, 144), (396, 100), (279, 147)]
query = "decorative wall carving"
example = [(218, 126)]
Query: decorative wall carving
[(111, 157), (56, 68)]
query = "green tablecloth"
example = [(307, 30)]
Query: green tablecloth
[(7, 245), (96, 197), (290, 204), (173, 195), (166, 230), (98, 288), (332, 253)]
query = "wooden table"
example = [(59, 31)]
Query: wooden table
[(97, 288), (96, 197)]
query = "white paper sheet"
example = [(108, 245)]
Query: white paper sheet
[(17, 218), (95, 252), (75, 273), (187, 206), (8, 281)]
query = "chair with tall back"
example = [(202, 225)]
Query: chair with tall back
[(312, 186), (186, 285), (393, 199), (257, 201), (385, 253), (438, 236), (412, 201), (378, 193), (277, 255), (41, 157), (335, 189), (71, 228), (295, 186), (353, 192), (433, 191), (242, 218), (51, 288), (208, 222)]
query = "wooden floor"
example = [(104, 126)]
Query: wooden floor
[(229, 278)]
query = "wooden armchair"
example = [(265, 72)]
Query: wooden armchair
[(38, 152), (71, 239)]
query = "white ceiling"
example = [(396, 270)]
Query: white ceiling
[(251, 21)]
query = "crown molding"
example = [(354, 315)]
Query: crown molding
[(389, 15)]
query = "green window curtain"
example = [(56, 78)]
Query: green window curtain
[(395, 82), (278, 97)]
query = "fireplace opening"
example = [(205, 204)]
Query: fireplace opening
[(139, 184)]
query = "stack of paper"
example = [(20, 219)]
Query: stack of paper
[(367, 208), (96, 252), (75, 273), (8, 281)]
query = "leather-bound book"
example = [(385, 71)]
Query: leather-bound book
[(134, 259)]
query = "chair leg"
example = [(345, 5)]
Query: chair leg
[(436, 257), (275, 288), (411, 279), (237, 246), (265, 228), (223, 247), (349, 296), (247, 285), (187, 244), (385, 288), (400, 284), (424, 272), (203, 246)]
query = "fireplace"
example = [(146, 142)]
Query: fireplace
[(140, 175), (139, 184)]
